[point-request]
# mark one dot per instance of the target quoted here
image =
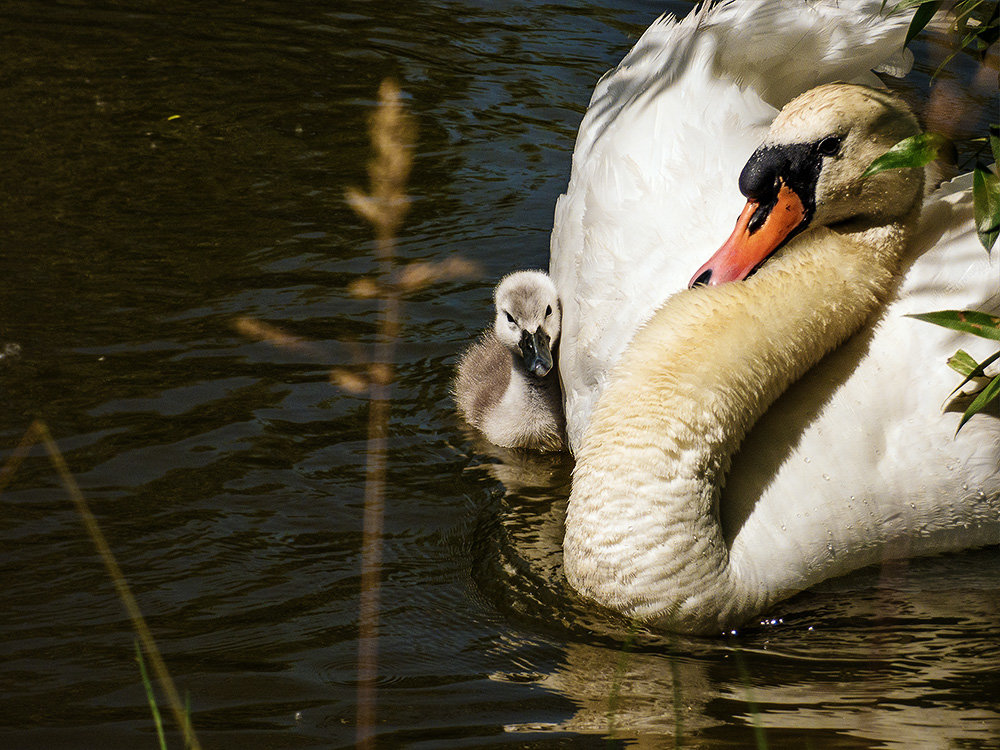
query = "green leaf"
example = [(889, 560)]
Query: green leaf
[(151, 698), (979, 371), (988, 394), (986, 201), (962, 363), (944, 63), (903, 5), (968, 321), (982, 21), (995, 143), (915, 151), (921, 18)]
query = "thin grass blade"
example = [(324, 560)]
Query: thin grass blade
[(151, 697), (988, 394)]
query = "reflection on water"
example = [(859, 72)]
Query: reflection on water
[(892, 657), (169, 169)]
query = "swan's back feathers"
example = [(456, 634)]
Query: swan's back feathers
[(780, 51), (645, 203), (752, 46)]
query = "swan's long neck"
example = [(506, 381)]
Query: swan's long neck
[(642, 531)]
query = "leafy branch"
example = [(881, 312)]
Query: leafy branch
[(921, 149), (918, 151), (976, 24), (976, 27), (978, 324)]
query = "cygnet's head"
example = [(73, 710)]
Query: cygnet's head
[(810, 171), (528, 318)]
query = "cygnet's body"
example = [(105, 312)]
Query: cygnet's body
[(507, 387)]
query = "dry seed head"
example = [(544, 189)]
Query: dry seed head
[(392, 133), (416, 276), (261, 331)]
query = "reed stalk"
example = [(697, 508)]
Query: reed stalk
[(38, 432), (392, 135)]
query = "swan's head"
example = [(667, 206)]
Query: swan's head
[(808, 173), (528, 318)]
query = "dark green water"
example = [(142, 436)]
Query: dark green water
[(170, 167)]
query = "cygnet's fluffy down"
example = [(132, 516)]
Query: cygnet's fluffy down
[(507, 386)]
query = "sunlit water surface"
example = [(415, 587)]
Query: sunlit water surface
[(168, 168)]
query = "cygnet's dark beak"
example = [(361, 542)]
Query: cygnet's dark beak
[(536, 353)]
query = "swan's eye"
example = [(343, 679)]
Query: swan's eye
[(510, 318), (548, 310), (829, 146)]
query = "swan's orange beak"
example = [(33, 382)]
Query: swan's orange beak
[(747, 248)]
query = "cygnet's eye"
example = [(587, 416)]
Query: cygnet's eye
[(829, 146), (510, 318), (548, 310)]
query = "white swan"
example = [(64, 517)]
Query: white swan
[(643, 529), (653, 185), (506, 386)]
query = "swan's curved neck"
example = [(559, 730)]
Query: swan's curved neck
[(642, 531)]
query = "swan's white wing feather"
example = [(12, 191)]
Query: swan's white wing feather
[(781, 49), (653, 189)]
